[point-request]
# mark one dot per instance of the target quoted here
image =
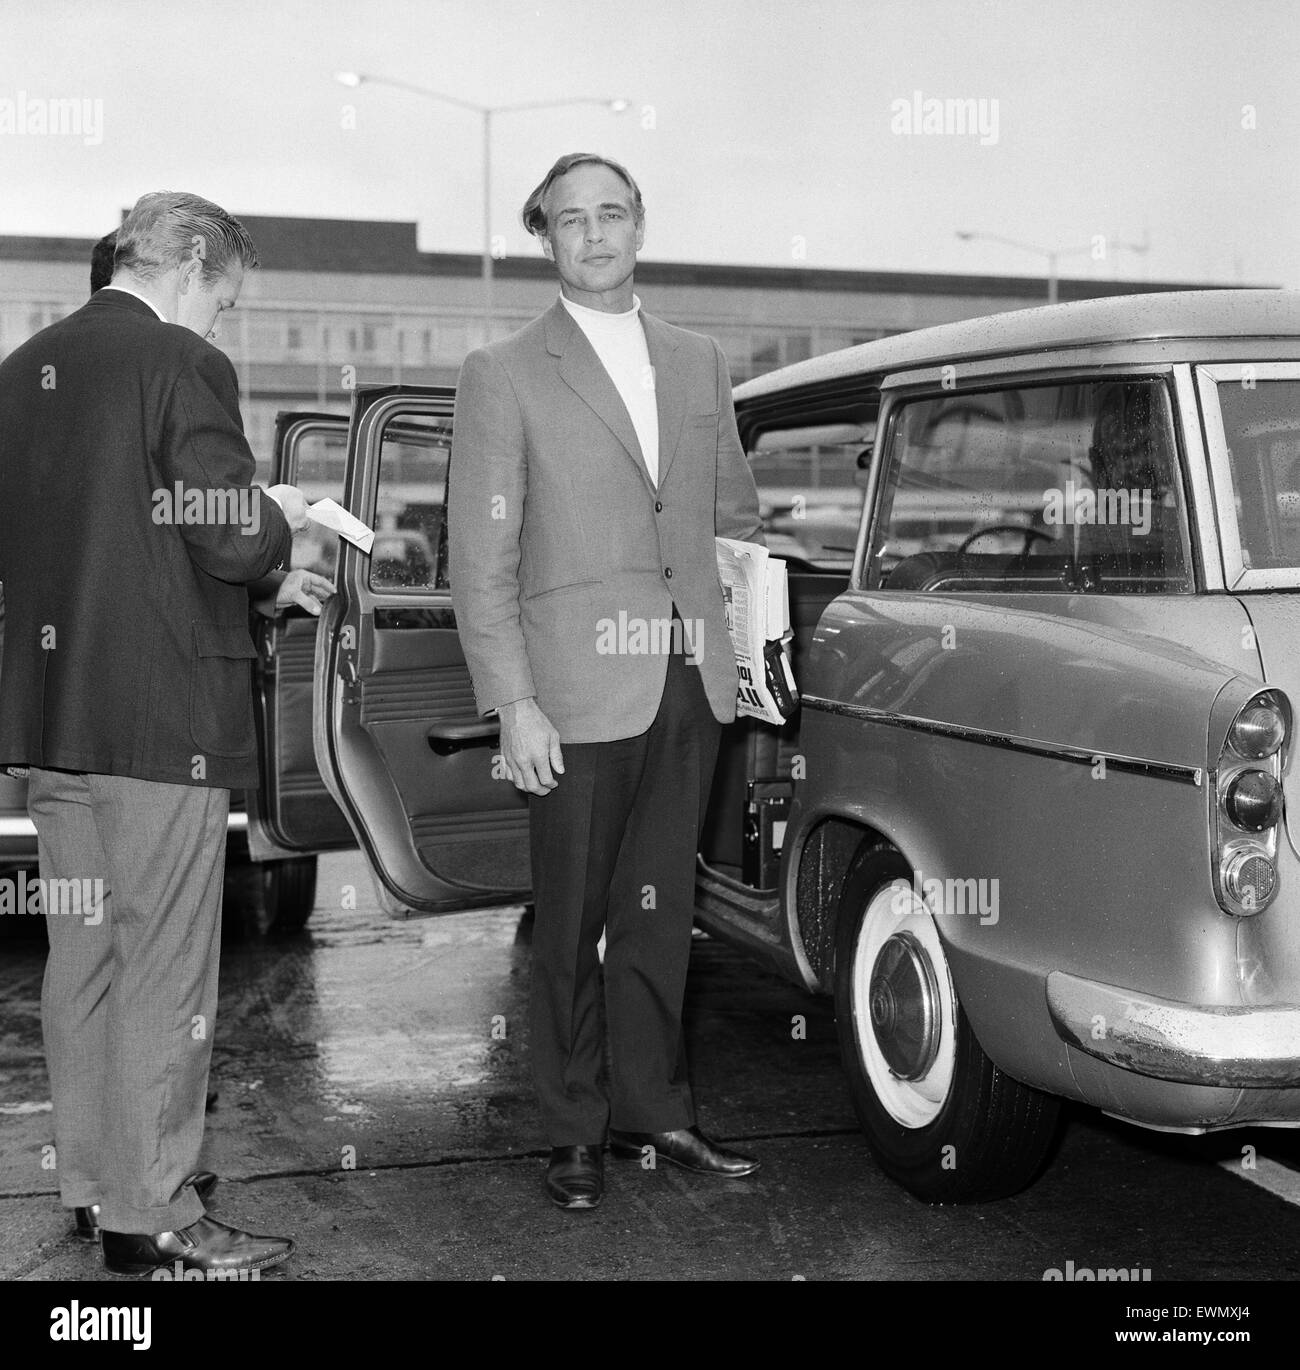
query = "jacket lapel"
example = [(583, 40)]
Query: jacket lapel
[(582, 371), (670, 393)]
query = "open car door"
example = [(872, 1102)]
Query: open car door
[(292, 813), (397, 736)]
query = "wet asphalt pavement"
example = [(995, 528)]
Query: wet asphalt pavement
[(374, 1103)]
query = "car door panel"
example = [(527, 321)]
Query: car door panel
[(397, 732)]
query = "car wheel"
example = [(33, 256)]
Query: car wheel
[(941, 1119), (264, 898), (288, 892)]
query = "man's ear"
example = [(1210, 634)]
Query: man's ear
[(547, 250), (191, 275), (640, 234)]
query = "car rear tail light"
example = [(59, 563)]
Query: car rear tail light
[(1249, 879), (1248, 803), (1254, 801), (1259, 729)]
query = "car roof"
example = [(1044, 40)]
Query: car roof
[(1081, 323)]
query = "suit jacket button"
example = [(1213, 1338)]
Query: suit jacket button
[(658, 507), (668, 572)]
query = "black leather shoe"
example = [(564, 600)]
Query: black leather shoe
[(87, 1219), (688, 1147), (575, 1176), (204, 1245)]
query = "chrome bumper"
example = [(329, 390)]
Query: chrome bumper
[(20, 826), (1230, 1047)]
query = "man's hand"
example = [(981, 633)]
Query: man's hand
[(292, 503), (304, 588), (530, 747), (277, 590)]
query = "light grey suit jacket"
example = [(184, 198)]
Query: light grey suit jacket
[(560, 543)]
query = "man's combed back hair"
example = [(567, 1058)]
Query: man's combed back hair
[(533, 213), (101, 261), (159, 232)]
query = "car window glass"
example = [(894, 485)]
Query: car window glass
[(810, 488), (1071, 487), (319, 459), (1261, 422), (409, 551)]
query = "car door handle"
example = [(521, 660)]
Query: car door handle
[(453, 734)]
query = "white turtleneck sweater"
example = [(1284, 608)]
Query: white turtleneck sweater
[(619, 342)]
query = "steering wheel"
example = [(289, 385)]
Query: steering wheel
[(1030, 534)]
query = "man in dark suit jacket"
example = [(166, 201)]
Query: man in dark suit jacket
[(128, 533), (594, 460)]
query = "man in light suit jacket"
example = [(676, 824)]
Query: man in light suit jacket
[(595, 457), (129, 531)]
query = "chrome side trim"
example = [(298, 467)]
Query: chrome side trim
[(24, 827), (1228, 1046), (1163, 770)]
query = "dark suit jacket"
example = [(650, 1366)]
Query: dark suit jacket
[(126, 643), (558, 536)]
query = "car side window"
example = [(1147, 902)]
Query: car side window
[(1064, 487), (409, 551), (319, 460), (810, 488), (1264, 458)]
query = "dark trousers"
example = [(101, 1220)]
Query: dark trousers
[(130, 993), (613, 849)]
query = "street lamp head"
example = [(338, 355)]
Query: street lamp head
[(349, 78)]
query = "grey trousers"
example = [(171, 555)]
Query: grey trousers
[(130, 993)]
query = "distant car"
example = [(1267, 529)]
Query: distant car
[(401, 558)]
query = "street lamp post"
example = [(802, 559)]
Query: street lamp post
[(485, 112), (1053, 255)]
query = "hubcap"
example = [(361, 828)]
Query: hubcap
[(904, 1007)]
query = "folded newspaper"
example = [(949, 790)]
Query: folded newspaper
[(757, 601)]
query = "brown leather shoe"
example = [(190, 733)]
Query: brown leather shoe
[(206, 1245), (87, 1219), (687, 1147), (575, 1176)]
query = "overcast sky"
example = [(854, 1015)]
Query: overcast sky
[(769, 131)]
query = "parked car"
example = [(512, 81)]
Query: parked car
[(274, 833), (1029, 826)]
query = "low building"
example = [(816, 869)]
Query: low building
[(339, 303)]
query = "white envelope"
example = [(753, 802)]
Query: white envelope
[(330, 514)]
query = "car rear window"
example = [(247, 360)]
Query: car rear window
[(1261, 422), (1065, 487)]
